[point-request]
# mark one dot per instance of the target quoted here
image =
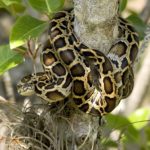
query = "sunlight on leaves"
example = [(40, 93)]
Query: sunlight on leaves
[(9, 59), (10, 2), (47, 6), (26, 27), (121, 123), (140, 117)]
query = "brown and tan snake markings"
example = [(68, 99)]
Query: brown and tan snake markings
[(94, 81)]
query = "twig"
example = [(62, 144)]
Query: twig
[(143, 75), (142, 78), (145, 14), (8, 87), (33, 52)]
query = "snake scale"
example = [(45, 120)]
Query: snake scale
[(94, 81)]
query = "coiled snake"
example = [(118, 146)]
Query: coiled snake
[(94, 81)]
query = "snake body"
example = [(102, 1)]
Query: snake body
[(94, 81)]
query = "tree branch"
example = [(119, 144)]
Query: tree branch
[(96, 22), (145, 14), (142, 78), (141, 83), (96, 26), (8, 87)]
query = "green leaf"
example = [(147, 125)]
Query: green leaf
[(122, 5), (109, 143), (39, 5), (13, 6), (10, 2), (2, 5), (55, 5), (140, 117), (121, 123), (26, 27), (139, 25), (17, 8), (147, 132), (9, 58), (47, 6)]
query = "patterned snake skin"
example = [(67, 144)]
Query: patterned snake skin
[(94, 81)]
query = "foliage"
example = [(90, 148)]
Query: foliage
[(139, 25), (9, 58), (134, 19), (122, 5), (25, 27), (133, 131), (47, 6)]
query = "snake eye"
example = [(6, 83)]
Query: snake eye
[(19, 86), (47, 81), (26, 79)]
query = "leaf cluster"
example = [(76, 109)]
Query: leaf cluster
[(132, 131), (25, 27)]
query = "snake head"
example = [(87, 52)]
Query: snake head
[(26, 86)]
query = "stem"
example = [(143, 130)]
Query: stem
[(142, 78), (145, 14), (8, 87)]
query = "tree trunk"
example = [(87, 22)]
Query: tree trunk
[(96, 22)]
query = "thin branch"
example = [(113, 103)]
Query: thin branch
[(145, 14), (143, 75), (9, 87), (142, 78)]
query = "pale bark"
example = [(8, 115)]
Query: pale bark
[(8, 87), (96, 22), (142, 79), (145, 14)]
